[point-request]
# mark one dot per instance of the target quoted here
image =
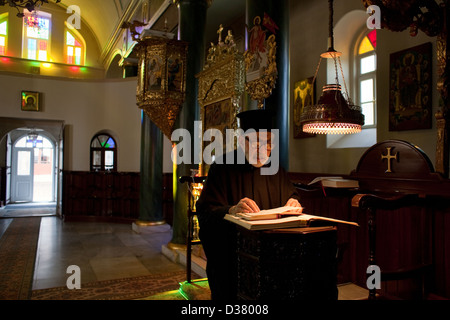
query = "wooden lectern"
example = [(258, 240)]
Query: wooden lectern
[(287, 264)]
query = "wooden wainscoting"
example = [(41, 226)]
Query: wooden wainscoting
[(100, 196), (114, 196)]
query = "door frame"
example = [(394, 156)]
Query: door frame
[(54, 130)]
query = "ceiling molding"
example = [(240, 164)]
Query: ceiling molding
[(109, 48), (156, 16)]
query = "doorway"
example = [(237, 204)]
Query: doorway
[(33, 170)]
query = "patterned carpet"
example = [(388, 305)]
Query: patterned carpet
[(120, 289), (17, 255)]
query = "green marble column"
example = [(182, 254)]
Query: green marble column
[(192, 15), (279, 101), (151, 174)]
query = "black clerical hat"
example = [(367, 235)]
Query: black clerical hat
[(259, 119)]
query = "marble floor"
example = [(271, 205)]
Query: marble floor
[(103, 251)]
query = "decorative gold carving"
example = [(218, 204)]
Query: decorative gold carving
[(442, 156), (397, 15), (221, 86), (132, 27), (161, 80), (443, 82), (260, 62), (389, 157)]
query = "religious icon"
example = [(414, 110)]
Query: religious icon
[(174, 70), (260, 59), (303, 96), (410, 105), (154, 73), (30, 101)]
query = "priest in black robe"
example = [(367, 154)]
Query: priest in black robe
[(239, 186)]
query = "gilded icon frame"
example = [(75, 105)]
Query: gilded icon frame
[(30, 101)]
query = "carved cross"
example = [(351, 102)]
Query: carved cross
[(389, 157), (219, 32)]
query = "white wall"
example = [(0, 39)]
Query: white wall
[(87, 107)]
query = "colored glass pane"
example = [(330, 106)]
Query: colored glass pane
[(77, 55), (365, 46), (42, 55), (2, 41), (31, 49), (70, 39), (31, 44), (111, 143), (40, 30), (77, 43), (3, 28), (372, 36)]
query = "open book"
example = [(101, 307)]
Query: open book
[(335, 182), (272, 213), (282, 219)]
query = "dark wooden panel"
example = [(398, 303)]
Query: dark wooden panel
[(108, 196), (100, 196), (408, 236)]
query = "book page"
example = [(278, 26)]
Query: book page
[(275, 210)]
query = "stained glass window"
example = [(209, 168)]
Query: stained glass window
[(103, 153), (367, 67), (36, 35), (74, 49), (3, 34)]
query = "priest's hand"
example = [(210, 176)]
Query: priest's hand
[(294, 203), (245, 205)]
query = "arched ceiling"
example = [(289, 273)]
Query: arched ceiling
[(102, 16)]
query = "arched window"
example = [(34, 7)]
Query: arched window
[(103, 153), (359, 60), (366, 66), (36, 35), (74, 47), (3, 33)]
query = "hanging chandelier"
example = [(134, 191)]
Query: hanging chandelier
[(161, 78), (30, 5), (333, 113)]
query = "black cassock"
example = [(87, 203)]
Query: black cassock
[(225, 186)]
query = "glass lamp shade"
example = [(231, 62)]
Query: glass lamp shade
[(332, 114)]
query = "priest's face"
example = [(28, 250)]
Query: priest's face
[(257, 147)]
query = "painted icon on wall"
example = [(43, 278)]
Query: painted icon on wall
[(410, 94), (30, 101), (304, 95)]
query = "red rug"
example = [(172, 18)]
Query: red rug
[(18, 247), (120, 289)]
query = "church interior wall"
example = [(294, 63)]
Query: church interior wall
[(308, 39), (87, 107)]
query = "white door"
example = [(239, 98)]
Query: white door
[(22, 175)]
